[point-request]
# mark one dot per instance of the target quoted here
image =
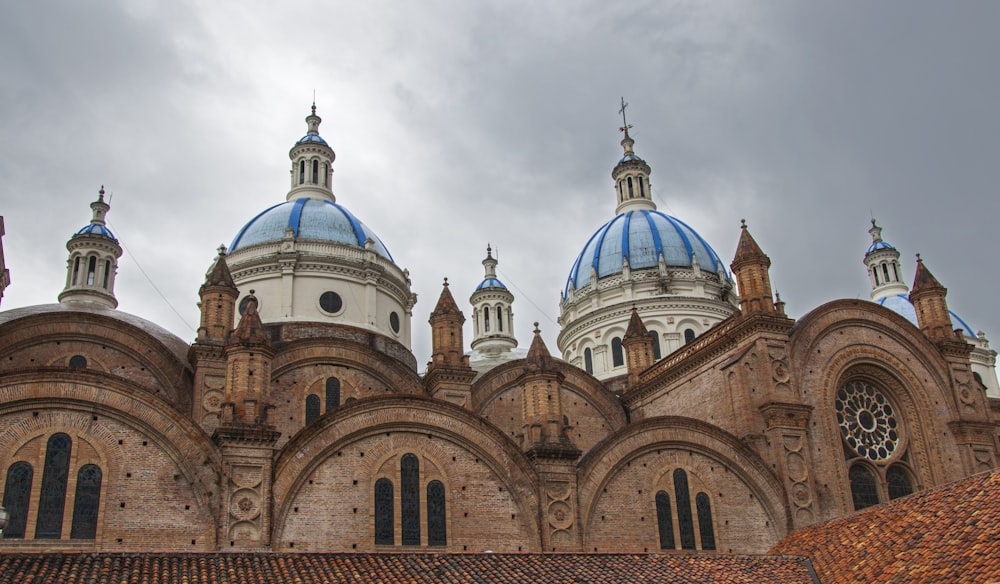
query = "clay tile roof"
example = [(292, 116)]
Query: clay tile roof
[(446, 303), (635, 329), (254, 568), (923, 279), (747, 248), (947, 534)]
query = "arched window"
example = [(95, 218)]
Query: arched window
[(315, 172), (617, 356), (656, 345), (326, 174), (77, 362), (332, 393), (499, 320), (875, 273), (312, 408), (486, 320), (86, 502), (688, 335), (55, 476), (16, 495), (664, 521), (588, 361), (895, 273), (384, 534), (704, 507), (76, 271), (302, 171), (898, 481), (631, 193), (91, 270), (107, 272), (409, 499), (437, 530), (864, 487), (684, 518), (642, 191)]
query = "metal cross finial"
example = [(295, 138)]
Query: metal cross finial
[(625, 126)]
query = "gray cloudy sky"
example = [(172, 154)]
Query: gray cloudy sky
[(460, 123)]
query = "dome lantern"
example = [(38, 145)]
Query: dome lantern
[(312, 163)]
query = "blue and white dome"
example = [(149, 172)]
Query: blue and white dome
[(309, 219), (877, 245), (900, 304), (96, 229), (640, 237), (491, 283)]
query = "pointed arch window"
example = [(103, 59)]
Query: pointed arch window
[(332, 393), (684, 519), (312, 408), (16, 497), (656, 345), (55, 476), (864, 487), (86, 502), (91, 270), (384, 512), (437, 528), (409, 499), (617, 356), (664, 521), (588, 361), (688, 335)]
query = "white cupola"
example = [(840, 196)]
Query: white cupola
[(93, 260), (884, 271), (492, 318)]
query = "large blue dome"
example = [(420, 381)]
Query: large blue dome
[(309, 219), (640, 237)]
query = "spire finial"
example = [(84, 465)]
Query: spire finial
[(919, 261), (100, 194), (743, 224), (446, 282), (537, 330), (314, 102), (625, 125), (222, 249)]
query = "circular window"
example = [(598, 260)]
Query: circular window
[(330, 302), (867, 421), (245, 302), (78, 362), (394, 322)]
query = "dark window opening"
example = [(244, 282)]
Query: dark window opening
[(326, 174), (588, 361), (91, 270), (704, 507), (409, 494), (688, 335), (642, 190), (875, 273), (437, 529), (664, 521), (78, 362), (384, 513), (486, 320), (315, 172), (684, 518), (656, 345), (302, 171), (16, 497), (55, 476), (76, 271), (898, 481), (107, 272), (895, 273), (332, 393), (617, 356), (312, 408), (499, 320), (864, 488), (330, 302), (394, 322), (631, 193), (86, 502)]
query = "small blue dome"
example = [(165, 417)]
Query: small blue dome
[(95, 229), (900, 304), (490, 283), (879, 245), (309, 219), (312, 138), (630, 158), (640, 237)]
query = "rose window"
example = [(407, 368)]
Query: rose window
[(867, 421)]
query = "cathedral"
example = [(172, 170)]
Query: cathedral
[(682, 408)]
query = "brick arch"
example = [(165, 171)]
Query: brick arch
[(172, 372), (613, 455), (90, 394), (370, 417), (304, 353)]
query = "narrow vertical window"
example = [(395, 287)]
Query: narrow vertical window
[(617, 356), (588, 361), (875, 273), (384, 513), (302, 171), (664, 521), (688, 335), (91, 269), (16, 495), (642, 190), (437, 529), (631, 193), (326, 174), (684, 518), (486, 320), (332, 393), (409, 499), (86, 502), (107, 272), (885, 271), (315, 172), (895, 273), (312, 408), (76, 271), (55, 475), (499, 320), (656, 345), (864, 488), (898, 481), (704, 507)]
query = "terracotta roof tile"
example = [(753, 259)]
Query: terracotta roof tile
[(947, 534), (250, 568)]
